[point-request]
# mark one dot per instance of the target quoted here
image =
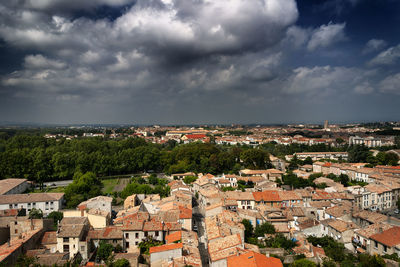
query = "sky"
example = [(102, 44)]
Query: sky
[(199, 61)]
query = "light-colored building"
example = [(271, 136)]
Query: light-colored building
[(386, 242), (367, 141), (381, 197), (13, 186), (47, 202), (165, 253), (322, 155), (97, 218), (72, 236), (102, 203)]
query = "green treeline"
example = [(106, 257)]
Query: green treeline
[(40, 159)]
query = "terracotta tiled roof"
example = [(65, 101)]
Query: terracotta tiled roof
[(390, 237), (224, 243), (49, 238), (165, 247), (185, 213), (152, 226), (196, 136), (109, 232), (341, 226), (289, 195), (267, 196), (175, 236), (253, 259)]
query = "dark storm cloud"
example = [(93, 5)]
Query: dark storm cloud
[(182, 61)]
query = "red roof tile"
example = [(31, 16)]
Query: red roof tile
[(253, 259), (268, 196), (165, 247), (390, 237)]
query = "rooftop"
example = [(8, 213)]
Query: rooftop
[(165, 247), (10, 183), (390, 237), (29, 198), (253, 259)]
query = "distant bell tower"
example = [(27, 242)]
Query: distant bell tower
[(326, 124)]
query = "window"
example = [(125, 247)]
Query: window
[(137, 235), (127, 244), (66, 248), (82, 248), (65, 239), (156, 233), (136, 243), (126, 235), (10, 206), (146, 234), (375, 244), (16, 231), (384, 248)]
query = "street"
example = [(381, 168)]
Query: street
[(199, 222)]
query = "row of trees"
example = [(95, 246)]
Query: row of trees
[(41, 159)]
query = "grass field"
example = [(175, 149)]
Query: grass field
[(50, 190), (114, 185)]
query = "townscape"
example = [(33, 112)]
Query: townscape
[(288, 195)]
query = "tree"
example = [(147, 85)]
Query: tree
[(146, 244), (153, 179), (328, 263), (248, 229), (308, 161), (344, 179), (24, 261), (57, 216), (189, 179), (303, 263), (358, 153), (121, 263), (339, 140), (255, 159), (36, 214), (83, 187), (391, 159), (104, 251), (333, 249), (367, 260), (280, 241), (265, 228)]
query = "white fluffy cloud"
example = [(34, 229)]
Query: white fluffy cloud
[(391, 84), (41, 62), (374, 45), (387, 57), (321, 78), (364, 88), (326, 35)]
